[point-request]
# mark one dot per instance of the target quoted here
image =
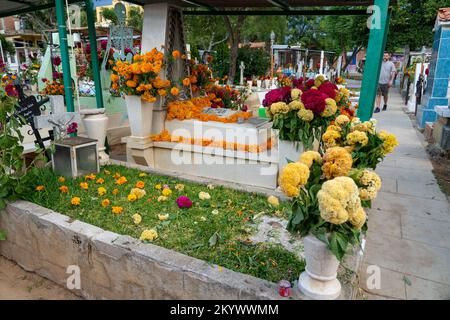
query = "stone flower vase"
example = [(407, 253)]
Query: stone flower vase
[(267, 84), (319, 280), (140, 115), (95, 122)]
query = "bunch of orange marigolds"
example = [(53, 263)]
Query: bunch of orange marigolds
[(141, 76), (54, 87)]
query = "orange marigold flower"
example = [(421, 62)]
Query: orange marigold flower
[(176, 54), (105, 203), (61, 179), (115, 191), (90, 177), (174, 91), (186, 82), (131, 84), (117, 210), (162, 92), (64, 189), (100, 181), (122, 180), (84, 185), (114, 77), (140, 184), (40, 188), (75, 201)]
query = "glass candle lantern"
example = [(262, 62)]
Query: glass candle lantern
[(75, 156)]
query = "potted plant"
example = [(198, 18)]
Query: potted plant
[(139, 81)]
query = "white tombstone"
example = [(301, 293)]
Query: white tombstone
[(242, 68)]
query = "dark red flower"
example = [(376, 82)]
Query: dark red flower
[(277, 95), (244, 108), (329, 88), (11, 90), (128, 50), (103, 44), (314, 100), (56, 61), (87, 49), (310, 83)]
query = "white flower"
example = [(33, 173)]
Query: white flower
[(204, 195), (215, 212)]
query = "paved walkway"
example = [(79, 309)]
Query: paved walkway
[(409, 223)]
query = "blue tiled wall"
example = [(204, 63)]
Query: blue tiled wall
[(436, 91)]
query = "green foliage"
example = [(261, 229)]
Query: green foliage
[(219, 238), (221, 62), (110, 14), (135, 18), (7, 45), (256, 61), (13, 176)]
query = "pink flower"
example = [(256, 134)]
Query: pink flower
[(103, 44), (184, 202), (73, 128), (128, 50), (87, 49)]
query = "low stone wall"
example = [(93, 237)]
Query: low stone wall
[(113, 266)]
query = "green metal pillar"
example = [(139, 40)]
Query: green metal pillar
[(94, 57), (62, 30), (374, 57)]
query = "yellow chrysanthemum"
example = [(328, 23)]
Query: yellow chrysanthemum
[(132, 197), (292, 177), (137, 218), (84, 185), (101, 191), (337, 162), (158, 186), (166, 192), (357, 137), (273, 201), (142, 174), (309, 157), (305, 115), (151, 235)]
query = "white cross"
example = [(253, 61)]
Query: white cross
[(242, 67)]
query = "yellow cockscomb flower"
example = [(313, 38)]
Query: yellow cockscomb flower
[(296, 105), (101, 191), (63, 189), (389, 141), (309, 157), (132, 197), (279, 107), (358, 218), (84, 185), (139, 193), (292, 177), (370, 185), (273, 201), (342, 120), (296, 93), (40, 188), (117, 210), (337, 162), (151, 235), (319, 80), (163, 217), (61, 179), (330, 137), (305, 115), (166, 192), (330, 108), (105, 203), (357, 137), (75, 201)]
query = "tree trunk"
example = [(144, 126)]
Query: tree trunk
[(354, 53), (235, 38)]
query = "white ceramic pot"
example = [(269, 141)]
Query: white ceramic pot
[(96, 122), (288, 150), (140, 115), (319, 280)]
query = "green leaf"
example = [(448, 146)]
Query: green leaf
[(2, 235), (405, 280)]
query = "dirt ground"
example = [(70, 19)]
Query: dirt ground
[(441, 168), (18, 284)]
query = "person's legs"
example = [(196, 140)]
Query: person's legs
[(378, 100), (386, 97)]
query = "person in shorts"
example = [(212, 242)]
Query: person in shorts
[(387, 75)]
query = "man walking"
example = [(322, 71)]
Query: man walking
[(387, 75)]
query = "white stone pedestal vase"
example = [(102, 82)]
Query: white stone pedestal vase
[(267, 84), (96, 122), (258, 84), (319, 280), (288, 150), (140, 115)]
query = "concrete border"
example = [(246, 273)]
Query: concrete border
[(114, 266)]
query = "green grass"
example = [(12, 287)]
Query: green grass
[(189, 231)]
